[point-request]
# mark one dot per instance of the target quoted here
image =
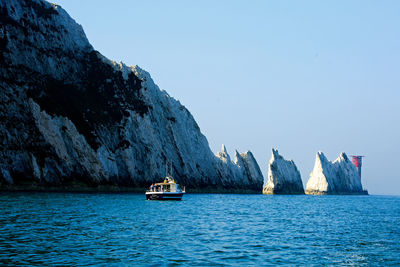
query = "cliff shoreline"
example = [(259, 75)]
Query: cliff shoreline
[(112, 190)]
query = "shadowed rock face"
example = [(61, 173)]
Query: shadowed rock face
[(283, 176), (338, 177), (71, 115)]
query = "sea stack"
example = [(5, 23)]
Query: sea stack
[(283, 176), (243, 172), (249, 169), (332, 178)]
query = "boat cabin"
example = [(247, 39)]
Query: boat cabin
[(167, 190), (168, 185)]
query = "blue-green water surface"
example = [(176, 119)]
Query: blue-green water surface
[(202, 229)]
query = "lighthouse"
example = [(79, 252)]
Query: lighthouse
[(357, 161)]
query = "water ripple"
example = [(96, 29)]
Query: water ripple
[(113, 229)]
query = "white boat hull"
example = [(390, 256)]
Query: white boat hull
[(164, 195)]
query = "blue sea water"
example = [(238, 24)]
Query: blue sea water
[(202, 229)]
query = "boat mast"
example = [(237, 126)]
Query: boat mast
[(166, 168)]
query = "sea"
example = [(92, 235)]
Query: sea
[(201, 230)]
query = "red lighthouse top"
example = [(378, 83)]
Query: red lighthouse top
[(357, 160)]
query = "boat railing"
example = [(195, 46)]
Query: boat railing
[(158, 190), (155, 189)]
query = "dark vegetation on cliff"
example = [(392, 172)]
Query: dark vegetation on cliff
[(88, 91)]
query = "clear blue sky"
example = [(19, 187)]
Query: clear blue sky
[(300, 76)]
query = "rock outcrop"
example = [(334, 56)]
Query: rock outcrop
[(242, 172), (283, 176), (69, 115), (338, 177)]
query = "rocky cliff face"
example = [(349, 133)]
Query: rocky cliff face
[(69, 115), (243, 170), (283, 176), (338, 177)]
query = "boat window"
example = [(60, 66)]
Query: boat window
[(166, 188)]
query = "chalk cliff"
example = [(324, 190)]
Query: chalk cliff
[(69, 115), (283, 176), (243, 171), (338, 177)]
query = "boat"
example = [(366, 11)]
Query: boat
[(167, 190)]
